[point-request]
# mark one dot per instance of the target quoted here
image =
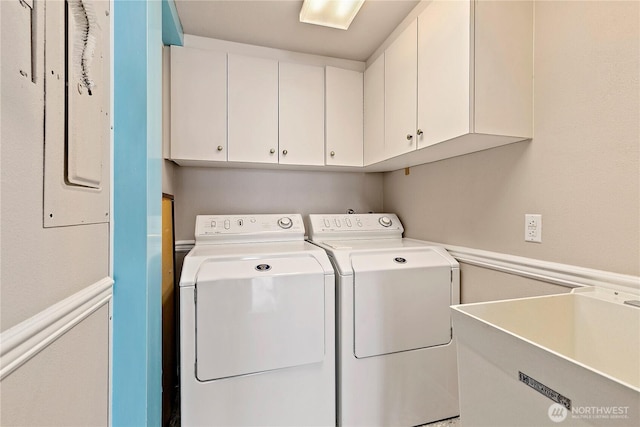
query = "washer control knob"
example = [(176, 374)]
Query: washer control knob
[(285, 222), (385, 221)]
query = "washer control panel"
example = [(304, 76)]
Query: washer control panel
[(325, 227), (248, 228)]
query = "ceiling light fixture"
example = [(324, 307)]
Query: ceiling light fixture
[(330, 13)]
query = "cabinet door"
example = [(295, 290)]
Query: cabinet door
[(344, 115), (374, 112), (301, 118), (444, 72), (400, 73), (198, 104), (503, 95), (253, 109)]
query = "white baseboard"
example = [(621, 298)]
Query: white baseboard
[(184, 245), (26, 339)]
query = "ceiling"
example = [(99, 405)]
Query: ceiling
[(275, 24)]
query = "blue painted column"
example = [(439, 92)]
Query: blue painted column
[(137, 194)]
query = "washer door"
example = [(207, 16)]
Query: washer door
[(258, 315), (401, 301)]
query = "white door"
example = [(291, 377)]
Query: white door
[(253, 109), (257, 315), (401, 301), (374, 112), (198, 104), (344, 115), (301, 118), (444, 72), (400, 73)]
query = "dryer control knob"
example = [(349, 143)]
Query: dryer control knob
[(385, 221), (285, 222)]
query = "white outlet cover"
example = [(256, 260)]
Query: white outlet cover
[(533, 228)]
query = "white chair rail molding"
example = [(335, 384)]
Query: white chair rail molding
[(26, 339)]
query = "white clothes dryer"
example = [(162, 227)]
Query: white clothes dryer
[(257, 325), (396, 349)]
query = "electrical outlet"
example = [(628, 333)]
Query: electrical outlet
[(533, 228)]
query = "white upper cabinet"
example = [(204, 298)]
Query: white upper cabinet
[(344, 117), (198, 104), (475, 70), (443, 71), (456, 78), (503, 70), (474, 74), (400, 92), (374, 112), (301, 114), (253, 109)]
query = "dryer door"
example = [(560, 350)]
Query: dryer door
[(401, 301), (258, 315)]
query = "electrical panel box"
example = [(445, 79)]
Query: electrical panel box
[(77, 113)]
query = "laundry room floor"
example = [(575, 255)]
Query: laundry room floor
[(451, 422)]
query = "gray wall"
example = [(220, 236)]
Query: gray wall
[(66, 383), (580, 171), (479, 284), (245, 191)]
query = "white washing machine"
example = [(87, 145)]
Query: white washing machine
[(257, 325), (396, 350)]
